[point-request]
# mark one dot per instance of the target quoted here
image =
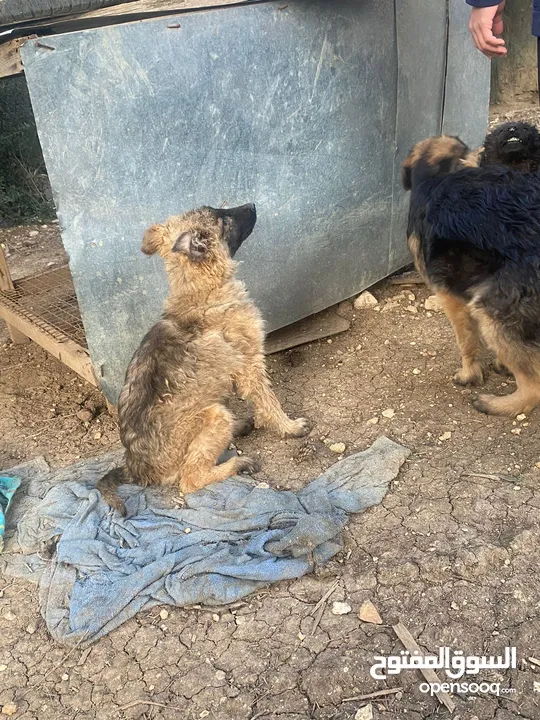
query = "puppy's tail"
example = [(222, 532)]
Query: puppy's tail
[(107, 486)]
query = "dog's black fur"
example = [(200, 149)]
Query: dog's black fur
[(513, 144), (477, 234), (481, 227)]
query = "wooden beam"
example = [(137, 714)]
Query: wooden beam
[(68, 352), (131, 10), (6, 284), (10, 59)]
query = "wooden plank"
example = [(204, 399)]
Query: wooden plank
[(410, 644), (139, 7), (6, 284), (10, 59), (68, 352), (305, 331)]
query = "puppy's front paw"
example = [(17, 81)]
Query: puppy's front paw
[(299, 428), (247, 465), (473, 375)]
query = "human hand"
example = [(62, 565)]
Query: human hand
[(485, 24)]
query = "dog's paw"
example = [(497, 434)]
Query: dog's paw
[(501, 369), (244, 427), (117, 504), (299, 428), (248, 465), (471, 376)]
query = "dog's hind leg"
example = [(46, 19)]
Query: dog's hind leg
[(522, 361), (198, 466), (253, 384), (467, 337), (523, 400)]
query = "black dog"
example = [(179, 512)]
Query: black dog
[(475, 237), (514, 144)]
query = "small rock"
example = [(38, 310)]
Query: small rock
[(516, 431), (31, 629), (337, 448), (85, 415), (3, 668), (454, 605), (65, 677), (301, 636), (51, 264), (412, 309), (33, 233), (329, 341), (9, 616), (220, 675), (97, 436), (536, 686), (205, 713), (9, 709), (368, 613), (432, 304), (389, 413), (445, 436), (365, 713), (341, 608), (416, 371), (215, 617), (374, 421), (365, 300), (163, 614), (521, 417)]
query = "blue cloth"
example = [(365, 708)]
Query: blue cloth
[(231, 539), (8, 485), (535, 12)]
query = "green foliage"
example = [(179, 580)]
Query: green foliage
[(24, 186)]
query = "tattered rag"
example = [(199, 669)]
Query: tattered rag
[(231, 539)]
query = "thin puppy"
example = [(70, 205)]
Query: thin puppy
[(174, 423)]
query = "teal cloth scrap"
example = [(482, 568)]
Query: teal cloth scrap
[(8, 486)]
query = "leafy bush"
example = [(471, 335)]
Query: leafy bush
[(25, 194)]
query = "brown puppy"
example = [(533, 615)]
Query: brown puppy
[(475, 237), (174, 424)]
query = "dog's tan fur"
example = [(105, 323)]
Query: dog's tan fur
[(468, 319), (208, 343), (472, 159)]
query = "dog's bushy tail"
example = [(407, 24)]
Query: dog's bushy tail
[(108, 484)]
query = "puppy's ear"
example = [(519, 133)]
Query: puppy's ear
[(152, 239), (190, 243), (406, 173)]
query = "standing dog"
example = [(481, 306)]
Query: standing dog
[(174, 424), (475, 237)]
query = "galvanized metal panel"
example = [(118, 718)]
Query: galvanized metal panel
[(466, 100), (291, 107), (421, 62)]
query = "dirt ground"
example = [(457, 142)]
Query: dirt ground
[(453, 551)]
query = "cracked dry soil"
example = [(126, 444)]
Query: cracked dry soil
[(453, 555)]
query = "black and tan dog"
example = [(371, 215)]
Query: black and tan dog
[(515, 145), (475, 237), (174, 424)]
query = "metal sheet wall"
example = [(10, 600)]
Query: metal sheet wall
[(306, 110)]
